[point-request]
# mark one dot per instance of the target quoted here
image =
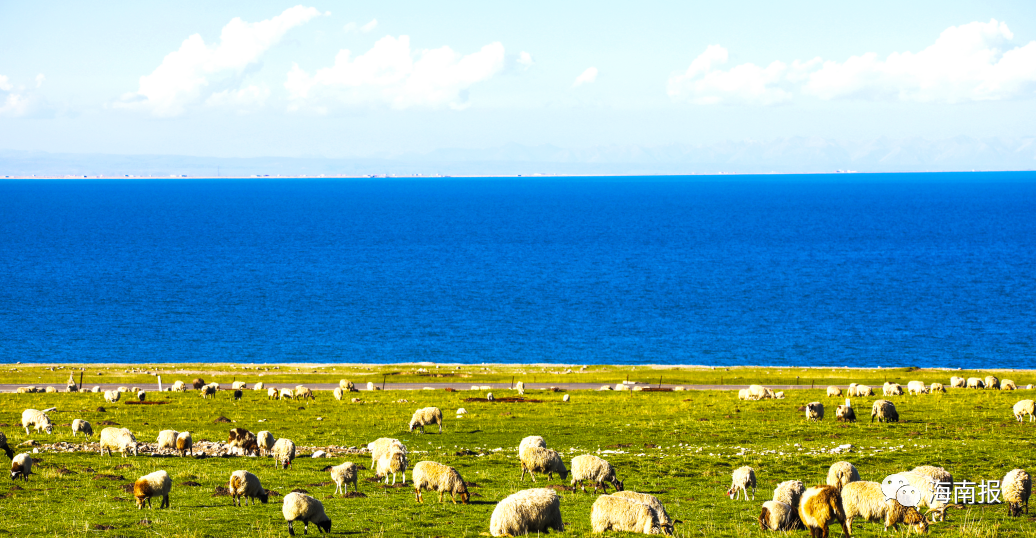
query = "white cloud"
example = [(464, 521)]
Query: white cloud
[(586, 77), (389, 73), (349, 27), (369, 26), (197, 71), (249, 97), (20, 101), (39, 80), (966, 63), (5, 84), (524, 59)]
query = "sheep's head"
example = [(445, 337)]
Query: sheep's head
[(463, 493), (325, 526), (913, 517), (49, 428), (732, 491), (135, 447), (619, 486), (563, 473), (140, 502), (413, 424), (264, 496)]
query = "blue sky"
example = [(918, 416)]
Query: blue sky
[(355, 79)]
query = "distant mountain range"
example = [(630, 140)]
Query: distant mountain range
[(789, 155)]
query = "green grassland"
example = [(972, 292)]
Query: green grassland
[(679, 446)]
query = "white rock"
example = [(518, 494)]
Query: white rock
[(320, 454)]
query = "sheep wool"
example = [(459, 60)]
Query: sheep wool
[(393, 462), (936, 387), (287, 394), (916, 388), (536, 459), (976, 383), (742, 394), (178, 386), (208, 391), (778, 516), (425, 416), (958, 382), (618, 514), (938, 474), (532, 440), (819, 507), (112, 396), (81, 426), (238, 385), (520, 387), (432, 476), (284, 452), (815, 411), (338, 393), (259, 386), (303, 393), (884, 411), (1024, 407), (527, 511), (789, 492), (892, 389), (272, 394), (845, 413), (346, 385), (833, 392), (382, 446), (245, 485), (664, 521), (992, 382), (21, 467), (596, 470), (345, 473), (866, 500), (741, 479), (1016, 488), (926, 485), (156, 484), (302, 507), (184, 443), (265, 441), (167, 439), (5, 447), (243, 440), (1008, 384), (842, 473), (120, 439), (38, 420)]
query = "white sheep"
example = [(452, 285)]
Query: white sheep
[(958, 382), (338, 393), (778, 516), (245, 485), (425, 416), (208, 391), (441, 478), (892, 389), (96, 389), (664, 521), (860, 390), (596, 470), (120, 439), (915, 388), (382, 446), (992, 382), (833, 391), (618, 514), (81, 426), (536, 459), (845, 413), (265, 441), (370, 385), (284, 452), (178, 386), (237, 385), (532, 440), (38, 420), (393, 462), (759, 392), (936, 387), (520, 387), (243, 440), (976, 383), (884, 411), (926, 484), (302, 507), (21, 467), (742, 479), (287, 394), (185, 443), (345, 473), (156, 484), (122, 389), (112, 396), (167, 439), (259, 386), (815, 411), (566, 398), (842, 473), (743, 394), (819, 507), (1016, 488), (527, 511), (866, 500), (272, 394), (303, 393), (346, 385), (1008, 384), (1024, 407), (141, 396)]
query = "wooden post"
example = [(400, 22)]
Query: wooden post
[(81, 381), (811, 383), (659, 381), (383, 378), (512, 382)]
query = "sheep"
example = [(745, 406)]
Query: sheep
[(779, 395), (544, 460), (244, 440), (236, 385), (842, 473), (264, 440), (789, 492), (1016, 488), (178, 386), (208, 391), (167, 439), (5, 447), (866, 500), (596, 470), (303, 393), (284, 452), (958, 382), (21, 467), (742, 479), (120, 439), (936, 387), (346, 385), (272, 394), (489, 397), (527, 511), (370, 385), (976, 383), (916, 388), (520, 387), (96, 389), (338, 393), (382, 446), (759, 392), (426, 416), (185, 443), (742, 394), (441, 478), (1024, 407), (532, 440), (198, 383), (245, 485), (345, 473), (937, 474), (818, 508), (302, 507), (38, 420), (156, 484), (237, 395), (861, 390), (259, 386), (892, 389), (845, 413), (112, 396), (833, 392), (619, 514), (81, 426), (394, 461), (778, 516), (884, 411), (1008, 384), (287, 394), (815, 411), (141, 396), (992, 382), (926, 484), (122, 389), (664, 521)]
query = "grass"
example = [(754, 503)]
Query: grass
[(679, 446)]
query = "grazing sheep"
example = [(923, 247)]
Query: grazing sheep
[(759, 392), (520, 387), (38, 420), (346, 385), (543, 460), (842, 473), (778, 516), (442, 478), (958, 382), (937, 474), (238, 385), (915, 388), (743, 394), (167, 439), (338, 393), (992, 382), (272, 394), (259, 386), (284, 452), (208, 391), (302, 507), (596, 470), (122, 389), (21, 467), (185, 443), (789, 492), (303, 393), (370, 385), (489, 397), (664, 521), (779, 395), (120, 439), (244, 484), (141, 396), (393, 462), (426, 416), (619, 514), (532, 440), (345, 473), (884, 411), (527, 511), (156, 484), (936, 387), (264, 440), (1008, 384), (861, 390), (178, 386), (845, 413), (892, 389), (237, 395), (819, 507), (383, 446), (976, 383), (833, 392), (96, 389), (198, 383), (926, 483), (742, 479), (244, 440), (1024, 407), (5, 447), (866, 500), (112, 396), (1016, 487), (815, 411), (287, 394), (81, 426)]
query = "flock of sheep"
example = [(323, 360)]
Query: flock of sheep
[(842, 500)]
